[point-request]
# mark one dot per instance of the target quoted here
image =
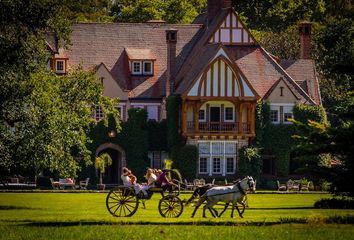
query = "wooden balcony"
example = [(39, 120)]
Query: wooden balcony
[(218, 128)]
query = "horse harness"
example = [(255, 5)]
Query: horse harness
[(239, 189)]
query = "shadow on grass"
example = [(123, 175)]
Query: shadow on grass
[(16, 208), (349, 219)]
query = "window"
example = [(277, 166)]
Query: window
[(230, 165), (216, 165), (203, 165), (121, 113), (147, 67), (274, 116), (287, 115), (202, 115), (136, 67), (229, 114), (152, 113), (98, 114), (281, 91), (59, 66)]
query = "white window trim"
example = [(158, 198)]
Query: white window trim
[(234, 164), (207, 170), (233, 114), (221, 165), (56, 66), (140, 68), (278, 114), (152, 68)]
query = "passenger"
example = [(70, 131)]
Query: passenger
[(150, 177), (130, 179), (163, 181)]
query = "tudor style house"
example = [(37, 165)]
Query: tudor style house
[(214, 64)]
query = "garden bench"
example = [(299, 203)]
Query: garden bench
[(293, 185), (281, 187), (84, 183)]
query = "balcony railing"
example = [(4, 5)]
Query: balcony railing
[(218, 127)]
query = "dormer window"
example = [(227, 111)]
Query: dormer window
[(136, 67), (141, 61), (147, 68)]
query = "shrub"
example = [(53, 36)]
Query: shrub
[(335, 203), (250, 162), (185, 159)]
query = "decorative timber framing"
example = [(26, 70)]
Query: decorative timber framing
[(232, 31)]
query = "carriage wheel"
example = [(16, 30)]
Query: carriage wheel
[(170, 206), (122, 202)]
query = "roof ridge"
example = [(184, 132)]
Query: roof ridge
[(146, 23)]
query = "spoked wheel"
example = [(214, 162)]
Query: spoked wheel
[(122, 202), (170, 207)]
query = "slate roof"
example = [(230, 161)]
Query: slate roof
[(112, 43), (303, 71), (95, 43)]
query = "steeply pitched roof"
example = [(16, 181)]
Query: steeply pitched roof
[(303, 71), (261, 70), (93, 43)]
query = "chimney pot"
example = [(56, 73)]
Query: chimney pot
[(171, 40)]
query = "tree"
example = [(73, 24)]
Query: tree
[(172, 11), (316, 139), (43, 117), (101, 162)]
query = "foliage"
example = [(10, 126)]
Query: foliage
[(335, 203), (316, 138), (157, 135), (250, 163), (303, 113), (173, 136), (101, 162), (134, 139), (172, 11), (89, 10), (185, 159), (52, 133)]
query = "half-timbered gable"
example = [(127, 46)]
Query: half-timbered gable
[(232, 31)]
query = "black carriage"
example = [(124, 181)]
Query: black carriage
[(123, 201)]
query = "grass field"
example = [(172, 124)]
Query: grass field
[(84, 216)]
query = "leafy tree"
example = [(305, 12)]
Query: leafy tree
[(101, 162), (316, 139), (172, 11), (43, 117)]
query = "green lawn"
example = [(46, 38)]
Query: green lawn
[(84, 216)]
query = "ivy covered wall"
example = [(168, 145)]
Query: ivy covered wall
[(276, 139)]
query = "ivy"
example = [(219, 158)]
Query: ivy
[(173, 136), (250, 162), (185, 159)]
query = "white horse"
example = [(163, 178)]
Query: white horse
[(229, 194)]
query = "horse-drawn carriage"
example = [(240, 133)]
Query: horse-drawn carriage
[(123, 201)]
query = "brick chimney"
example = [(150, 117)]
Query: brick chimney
[(214, 6), (171, 40), (305, 40)]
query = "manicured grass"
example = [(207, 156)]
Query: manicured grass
[(84, 216)]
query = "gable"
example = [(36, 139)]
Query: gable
[(110, 86), (281, 93), (232, 32), (220, 79)]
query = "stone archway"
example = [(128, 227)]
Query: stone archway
[(117, 154)]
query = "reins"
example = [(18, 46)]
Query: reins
[(239, 189)]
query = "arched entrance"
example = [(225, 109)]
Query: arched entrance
[(113, 172)]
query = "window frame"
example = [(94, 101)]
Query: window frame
[(56, 61), (98, 114), (204, 115), (220, 165), (271, 115), (152, 68), (227, 158), (286, 118), (206, 165), (233, 114), (133, 68)]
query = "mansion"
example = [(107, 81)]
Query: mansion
[(215, 65)]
